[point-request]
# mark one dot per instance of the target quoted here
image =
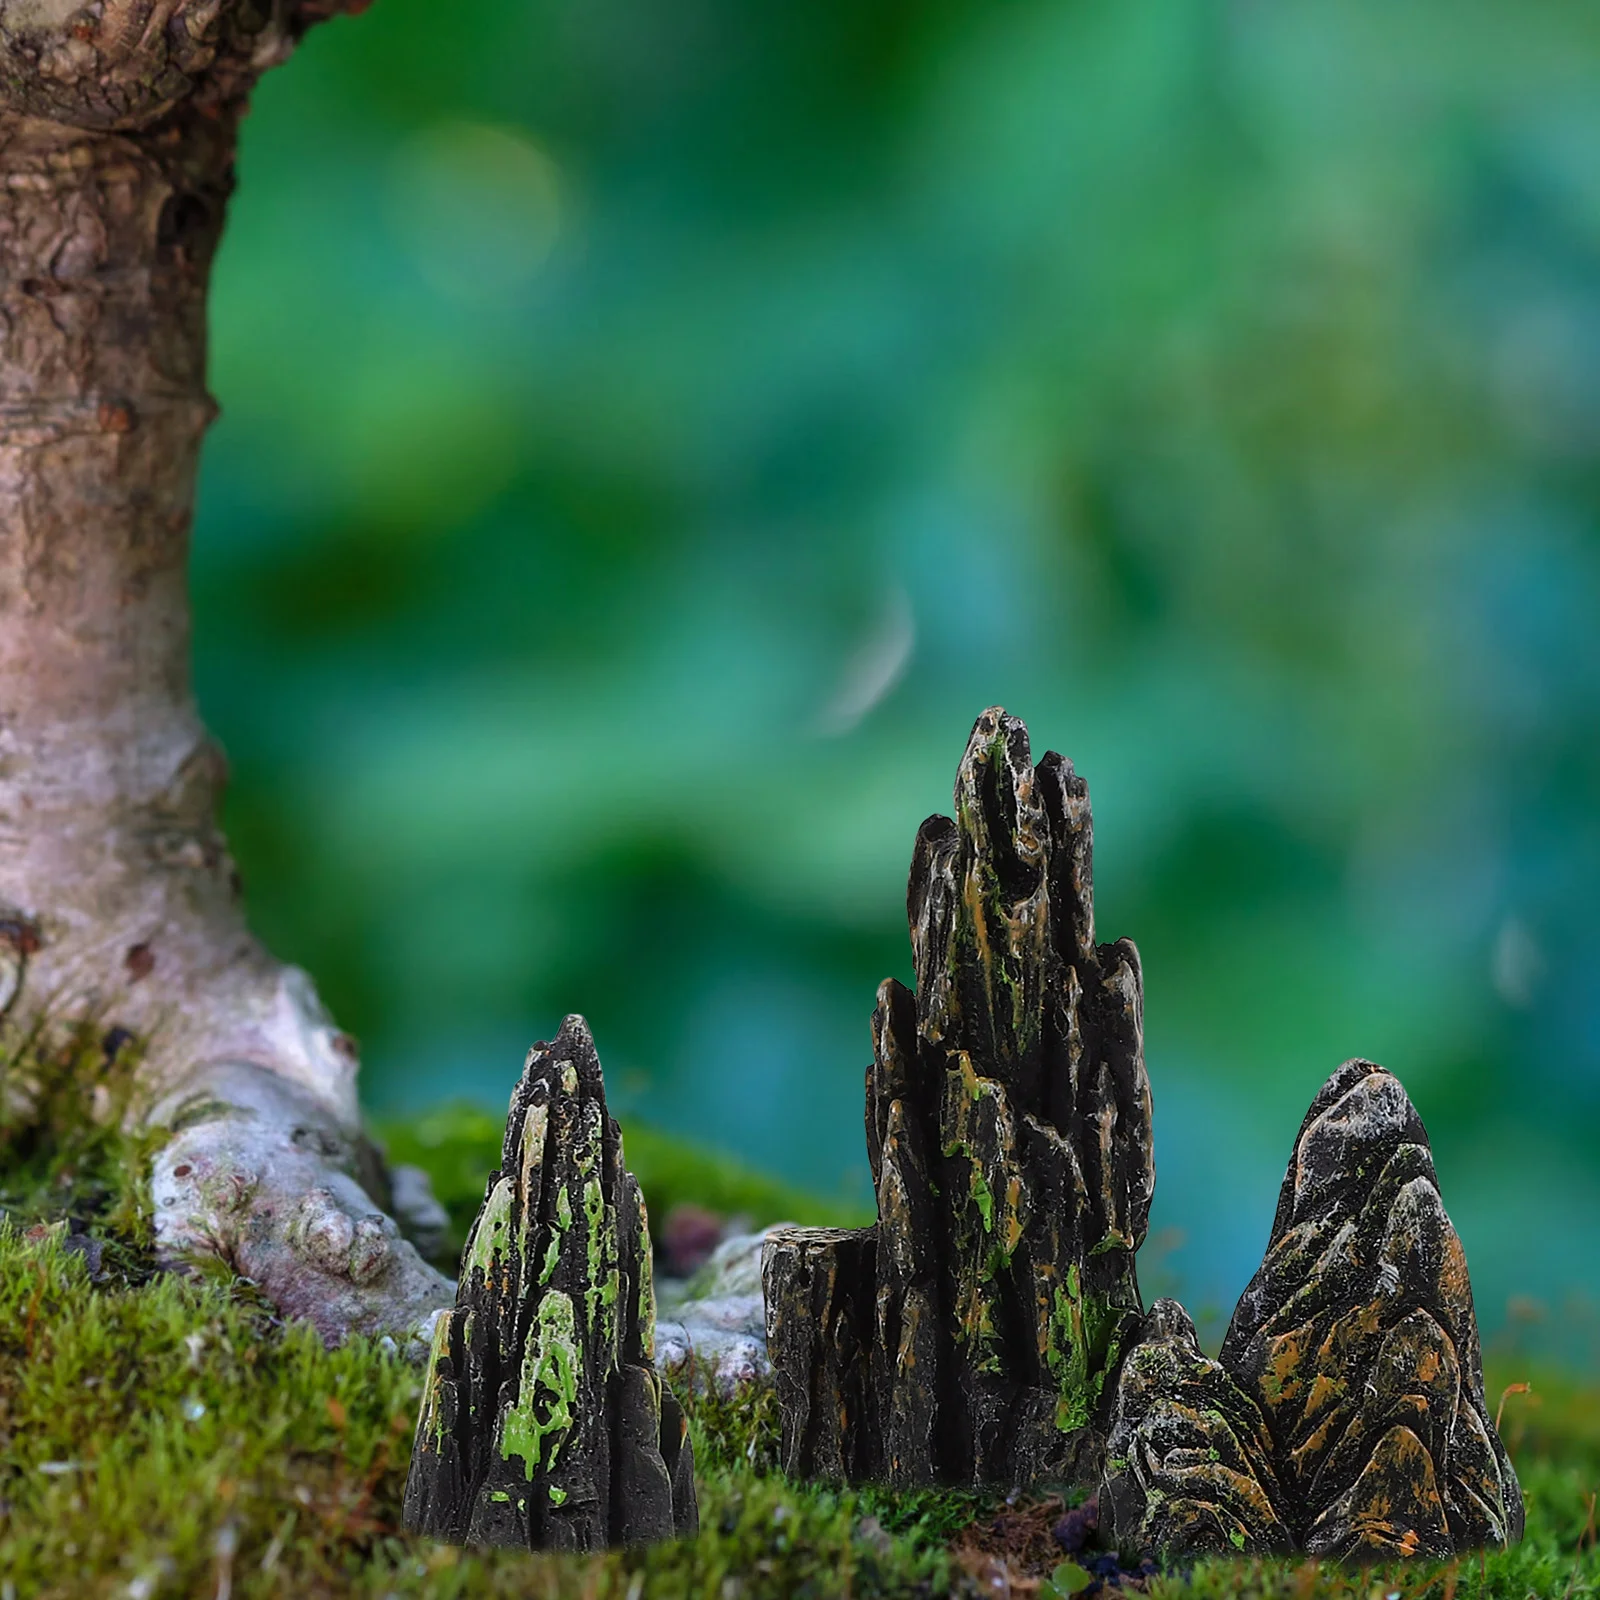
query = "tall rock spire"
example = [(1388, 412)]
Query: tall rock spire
[(967, 1337)]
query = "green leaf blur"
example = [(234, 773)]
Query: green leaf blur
[(652, 434)]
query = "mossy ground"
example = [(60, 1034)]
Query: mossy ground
[(167, 1436), (172, 1438)]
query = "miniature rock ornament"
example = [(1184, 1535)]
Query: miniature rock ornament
[(1190, 1465), (1346, 1414), (967, 1337), (544, 1424)]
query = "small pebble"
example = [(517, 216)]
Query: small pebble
[(1074, 1528)]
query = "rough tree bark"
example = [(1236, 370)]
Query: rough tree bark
[(118, 123)]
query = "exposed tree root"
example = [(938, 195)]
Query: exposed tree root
[(118, 126)]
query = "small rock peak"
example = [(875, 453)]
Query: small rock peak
[(544, 1424), (1355, 1345), (1357, 1122)]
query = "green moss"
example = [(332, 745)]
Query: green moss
[(552, 1254), (188, 1434), (195, 1445), (643, 1269), (250, 1439), (66, 1098), (1066, 1353), (433, 1422), (491, 1241), (173, 1409), (1083, 1343), (600, 1244), (1116, 1239)]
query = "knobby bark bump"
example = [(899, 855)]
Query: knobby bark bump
[(968, 1336), (1345, 1415), (544, 1424), (118, 125)]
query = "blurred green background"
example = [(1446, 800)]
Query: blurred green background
[(653, 433)]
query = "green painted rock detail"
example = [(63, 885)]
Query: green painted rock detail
[(544, 1424), (547, 1392), (968, 1336), (1345, 1415)]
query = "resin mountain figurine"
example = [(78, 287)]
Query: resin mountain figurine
[(544, 1424), (969, 1335), (1345, 1415)]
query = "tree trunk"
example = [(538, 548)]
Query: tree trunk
[(118, 122)]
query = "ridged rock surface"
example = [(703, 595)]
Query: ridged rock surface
[(1355, 1348), (544, 1424), (967, 1337), (1190, 1462)]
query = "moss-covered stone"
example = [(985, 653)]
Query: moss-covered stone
[(209, 1443), (968, 1337), (543, 1421)]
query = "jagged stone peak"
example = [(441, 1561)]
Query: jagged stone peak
[(544, 1423), (1355, 1343), (968, 1336)]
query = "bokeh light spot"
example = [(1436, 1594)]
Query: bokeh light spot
[(478, 208)]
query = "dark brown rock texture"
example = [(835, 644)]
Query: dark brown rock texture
[(968, 1336), (1190, 1462), (1349, 1393), (543, 1423)]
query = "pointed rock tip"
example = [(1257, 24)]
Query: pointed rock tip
[(574, 1035), (984, 726), (1362, 1108), (997, 723), (1364, 1101), (1057, 771), (540, 1072), (573, 1042), (1167, 1320), (994, 798), (1345, 1077)]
